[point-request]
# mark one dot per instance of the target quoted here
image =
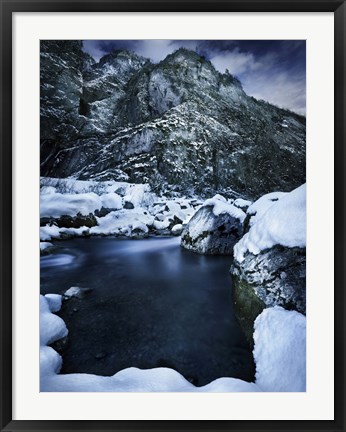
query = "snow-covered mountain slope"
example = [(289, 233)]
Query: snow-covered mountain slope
[(179, 123)]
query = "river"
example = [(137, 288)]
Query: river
[(153, 304)]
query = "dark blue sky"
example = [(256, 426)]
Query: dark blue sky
[(273, 70)]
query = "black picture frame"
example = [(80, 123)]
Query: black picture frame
[(8, 7)]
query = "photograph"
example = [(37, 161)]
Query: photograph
[(172, 215)]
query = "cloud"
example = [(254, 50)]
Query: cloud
[(280, 89), (235, 61), (93, 48), (157, 50)]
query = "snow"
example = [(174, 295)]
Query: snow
[(241, 203), (280, 350), (122, 222), (161, 225), (70, 197), (174, 209), (53, 232), (45, 245), (54, 302), (177, 229), (46, 190), (111, 201), (221, 206), (137, 380), (52, 327), (139, 195), (48, 232), (259, 207), (72, 292), (57, 204), (284, 223)]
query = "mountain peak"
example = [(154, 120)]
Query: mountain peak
[(182, 54), (121, 54)]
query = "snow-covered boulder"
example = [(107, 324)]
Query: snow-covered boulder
[(177, 229), (269, 267), (242, 204), (46, 247), (77, 292), (257, 209), (214, 229)]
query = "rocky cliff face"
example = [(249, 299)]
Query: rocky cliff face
[(179, 124), (275, 277)]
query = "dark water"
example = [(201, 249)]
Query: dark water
[(153, 304)]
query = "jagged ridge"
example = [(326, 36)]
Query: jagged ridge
[(179, 124)]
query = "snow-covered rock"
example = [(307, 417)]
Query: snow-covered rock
[(214, 229), (45, 247), (50, 232), (282, 222), (276, 276), (242, 204), (57, 204), (177, 229), (76, 291), (269, 265)]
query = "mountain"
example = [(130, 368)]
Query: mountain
[(179, 124)]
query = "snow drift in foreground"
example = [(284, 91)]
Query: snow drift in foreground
[(283, 223), (280, 350), (279, 354)]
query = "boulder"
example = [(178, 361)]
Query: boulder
[(77, 292), (274, 277), (66, 221), (177, 229), (211, 234), (128, 205)]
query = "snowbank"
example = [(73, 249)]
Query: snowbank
[(279, 354), (283, 223), (280, 350), (123, 222), (52, 327), (57, 204), (53, 232), (111, 201)]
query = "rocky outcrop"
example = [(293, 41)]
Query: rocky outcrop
[(211, 234), (270, 259), (274, 277), (179, 123)]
